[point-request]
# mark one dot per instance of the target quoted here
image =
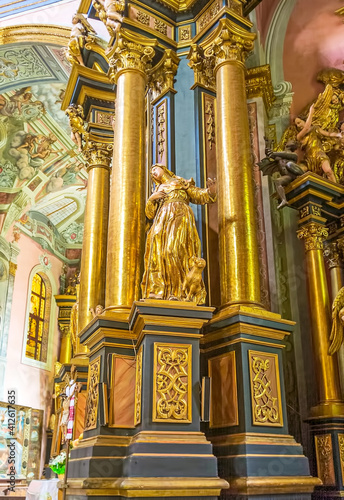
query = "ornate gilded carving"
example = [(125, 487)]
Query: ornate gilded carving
[(160, 26), (142, 17), (161, 77), (202, 66), (259, 84), (91, 411), (210, 114), (324, 454), (161, 131), (184, 33), (314, 236), (129, 54), (209, 15), (333, 255), (111, 13), (341, 454), (12, 268), (172, 383), (265, 389), (138, 387), (97, 154)]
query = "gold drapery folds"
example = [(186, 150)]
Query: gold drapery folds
[(225, 50), (129, 62)]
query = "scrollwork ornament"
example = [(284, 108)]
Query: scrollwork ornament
[(314, 236), (129, 55), (202, 66), (92, 395), (97, 154)]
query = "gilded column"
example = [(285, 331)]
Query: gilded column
[(129, 62), (66, 345), (329, 393), (239, 260), (333, 253), (93, 259)]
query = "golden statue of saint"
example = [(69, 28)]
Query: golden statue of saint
[(173, 264)]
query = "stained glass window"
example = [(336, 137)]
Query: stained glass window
[(36, 330)]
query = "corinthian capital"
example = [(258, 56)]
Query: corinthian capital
[(97, 154), (130, 54), (202, 66), (314, 236), (161, 77), (229, 43)]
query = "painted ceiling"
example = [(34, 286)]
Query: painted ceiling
[(42, 175)]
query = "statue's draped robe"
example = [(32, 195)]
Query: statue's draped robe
[(172, 241)]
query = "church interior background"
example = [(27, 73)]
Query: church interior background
[(174, 352)]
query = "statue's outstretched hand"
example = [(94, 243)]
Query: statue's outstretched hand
[(212, 186), (157, 195)]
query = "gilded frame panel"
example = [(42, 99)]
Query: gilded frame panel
[(172, 383), (265, 386)]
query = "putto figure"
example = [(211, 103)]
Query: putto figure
[(75, 114), (283, 162), (110, 12), (81, 29), (173, 264)]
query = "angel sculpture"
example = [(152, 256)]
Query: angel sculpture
[(283, 162), (310, 136), (337, 331), (110, 12), (81, 29), (75, 114)]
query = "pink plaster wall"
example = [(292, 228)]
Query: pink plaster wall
[(314, 40), (264, 12), (33, 385)]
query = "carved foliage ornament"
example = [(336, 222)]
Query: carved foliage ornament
[(172, 383), (130, 55), (314, 236), (202, 66), (161, 78), (92, 395), (138, 387)]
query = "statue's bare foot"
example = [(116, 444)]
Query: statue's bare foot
[(283, 203), (173, 297), (155, 296)]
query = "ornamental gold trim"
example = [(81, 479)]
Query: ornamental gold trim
[(265, 389), (172, 383), (259, 84), (138, 387), (91, 411), (48, 33), (324, 456)]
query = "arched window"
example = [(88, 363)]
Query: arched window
[(38, 324)]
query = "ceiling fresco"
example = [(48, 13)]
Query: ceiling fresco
[(42, 175)]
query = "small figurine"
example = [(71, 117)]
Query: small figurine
[(81, 29), (192, 286), (97, 311), (75, 114), (283, 162)]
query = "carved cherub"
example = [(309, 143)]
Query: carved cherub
[(192, 284), (113, 10), (97, 311), (75, 114), (337, 331), (81, 29)]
